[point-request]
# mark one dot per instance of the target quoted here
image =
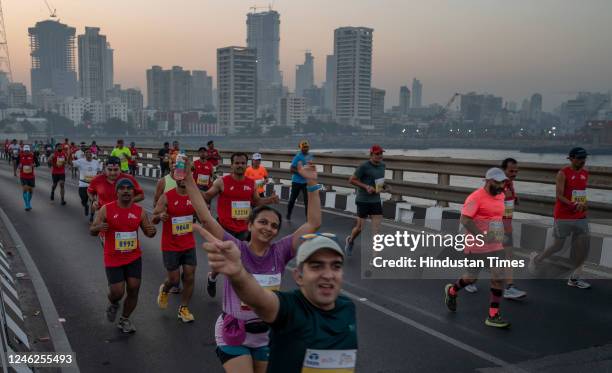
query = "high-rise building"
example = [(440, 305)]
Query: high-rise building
[(417, 93), (377, 111), (133, 100), (169, 90), (291, 111), (52, 52), (535, 108), (314, 97), (404, 100), (480, 109), (263, 35), (201, 94), (17, 95), (95, 64), (330, 81), (304, 75), (353, 51), (116, 108), (109, 68), (237, 88)]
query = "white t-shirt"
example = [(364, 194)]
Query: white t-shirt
[(15, 149), (87, 170), (79, 154)]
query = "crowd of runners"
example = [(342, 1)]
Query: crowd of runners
[(259, 327)]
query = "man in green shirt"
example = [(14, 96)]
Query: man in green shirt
[(124, 154), (369, 178), (313, 327)]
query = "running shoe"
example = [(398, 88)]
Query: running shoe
[(63, 203), (578, 283), (125, 325), (348, 246), (111, 312), (449, 299), (533, 266), (211, 286), (471, 288), (162, 298), (513, 293), (184, 315), (175, 290), (52, 196), (497, 321)]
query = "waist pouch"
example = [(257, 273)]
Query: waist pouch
[(256, 327)]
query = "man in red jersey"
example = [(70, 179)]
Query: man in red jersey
[(58, 161), (570, 217), (175, 210), (203, 170), (119, 222), (237, 194), (27, 162), (101, 189)]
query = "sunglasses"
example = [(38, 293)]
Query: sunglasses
[(310, 236), (377, 153)]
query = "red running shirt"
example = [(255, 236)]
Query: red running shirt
[(177, 233), (575, 191), (58, 167), (121, 244), (234, 204), (105, 190), (202, 173), (26, 166)]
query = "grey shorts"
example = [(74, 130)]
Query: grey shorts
[(564, 228), (174, 259)]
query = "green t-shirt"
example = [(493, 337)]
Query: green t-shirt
[(300, 326), (368, 174), (123, 154)]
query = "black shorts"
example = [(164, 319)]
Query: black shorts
[(58, 177), (365, 209), (28, 182), (122, 273), (174, 259), (500, 254)]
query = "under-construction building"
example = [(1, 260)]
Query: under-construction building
[(53, 64)]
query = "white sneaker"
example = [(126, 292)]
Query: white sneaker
[(532, 267), (471, 288), (514, 293), (125, 325), (578, 283)]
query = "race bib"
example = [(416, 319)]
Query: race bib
[(27, 169), (270, 282), (508, 209), (241, 210), (182, 225), (379, 184), (496, 229), (166, 158), (259, 183), (329, 361), (203, 179), (126, 241), (88, 179), (579, 196), (60, 161)]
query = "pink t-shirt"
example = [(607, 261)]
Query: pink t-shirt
[(487, 211)]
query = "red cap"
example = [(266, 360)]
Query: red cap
[(376, 149)]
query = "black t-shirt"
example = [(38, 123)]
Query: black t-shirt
[(300, 326), (164, 155)]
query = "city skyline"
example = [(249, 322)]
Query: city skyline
[(446, 59)]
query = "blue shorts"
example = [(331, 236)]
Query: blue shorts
[(227, 353)]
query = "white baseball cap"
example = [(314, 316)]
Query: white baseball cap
[(496, 174), (313, 245), (26, 148), (256, 157)]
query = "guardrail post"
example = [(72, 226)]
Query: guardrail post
[(443, 179), (328, 169), (276, 164), (398, 175)]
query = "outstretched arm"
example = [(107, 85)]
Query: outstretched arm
[(313, 220)]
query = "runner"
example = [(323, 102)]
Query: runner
[(258, 173), (369, 177), (298, 184), (174, 208), (58, 162), (203, 170), (77, 153), (94, 149), (119, 222), (164, 158), (237, 194), (133, 162), (88, 169), (570, 216), (27, 163), (166, 183), (482, 216), (14, 150), (124, 154), (213, 154), (263, 258), (101, 189)]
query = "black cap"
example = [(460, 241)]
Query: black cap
[(124, 182), (113, 160), (578, 152), (210, 142)]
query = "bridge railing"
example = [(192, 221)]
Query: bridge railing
[(444, 167)]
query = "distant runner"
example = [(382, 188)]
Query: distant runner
[(88, 169), (124, 154), (258, 173), (58, 162), (298, 183), (27, 163)]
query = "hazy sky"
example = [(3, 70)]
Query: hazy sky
[(510, 48)]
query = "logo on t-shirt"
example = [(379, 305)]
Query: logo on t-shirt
[(132, 216)]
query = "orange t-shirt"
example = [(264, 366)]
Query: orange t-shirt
[(260, 175), (487, 211)]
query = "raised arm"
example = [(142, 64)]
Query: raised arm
[(258, 201), (199, 205), (313, 220)]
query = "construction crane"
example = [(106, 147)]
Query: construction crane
[(52, 11), (5, 60), (441, 115)]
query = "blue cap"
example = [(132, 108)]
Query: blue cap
[(124, 182)]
